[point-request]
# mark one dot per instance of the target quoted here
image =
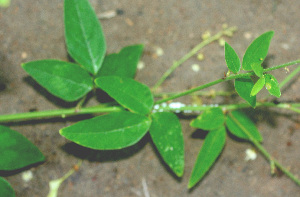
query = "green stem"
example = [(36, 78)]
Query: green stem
[(265, 152), (60, 112), (190, 54), (179, 107), (106, 109), (200, 93), (222, 80)]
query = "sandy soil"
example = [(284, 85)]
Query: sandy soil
[(31, 30)]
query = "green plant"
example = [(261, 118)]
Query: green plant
[(135, 111)]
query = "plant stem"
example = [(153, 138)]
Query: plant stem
[(265, 152), (200, 93), (108, 108), (229, 107), (60, 112), (222, 80), (190, 54)]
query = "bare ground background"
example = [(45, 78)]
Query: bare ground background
[(31, 30)]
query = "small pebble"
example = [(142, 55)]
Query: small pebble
[(141, 65), (285, 46), (27, 176), (107, 14), (250, 154), (248, 35), (129, 22), (195, 67), (24, 55), (159, 51)]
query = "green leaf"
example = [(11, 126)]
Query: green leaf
[(5, 188), (16, 150), (238, 123), (210, 150), (232, 59), (108, 132), (272, 85), (243, 87), (167, 136), (122, 64), (64, 80), (257, 51), (210, 119), (258, 86), (84, 37), (258, 69), (127, 92)]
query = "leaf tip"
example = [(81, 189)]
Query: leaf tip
[(61, 132), (191, 184)]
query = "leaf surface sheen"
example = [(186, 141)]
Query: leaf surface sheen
[(210, 150), (257, 51), (108, 132), (232, 59), (243, 87), (272, 85), (122, 64), (127, 92), (63, 79), (16, 150), (258, 86), (84, 36), (167, 136), (210, 119), (238, 122)]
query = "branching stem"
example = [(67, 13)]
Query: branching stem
[(222, 80), (192, 53), (265, 152)]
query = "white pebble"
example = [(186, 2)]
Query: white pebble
[(159, 51), (248, 35), (27, 176), (250, 154), (141, 65), (195, 67)]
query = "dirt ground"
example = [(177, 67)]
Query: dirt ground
[(31, 30)]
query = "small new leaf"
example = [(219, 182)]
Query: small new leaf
[(16, 150), (232, 59), (210, 119), (272, 85), (108, 132), (210, 150), (167, 136), (257, 51), (238, 124), (122, 64), (243, 87), (127, 92), (65, 80), (258, 86), (257, 68)]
